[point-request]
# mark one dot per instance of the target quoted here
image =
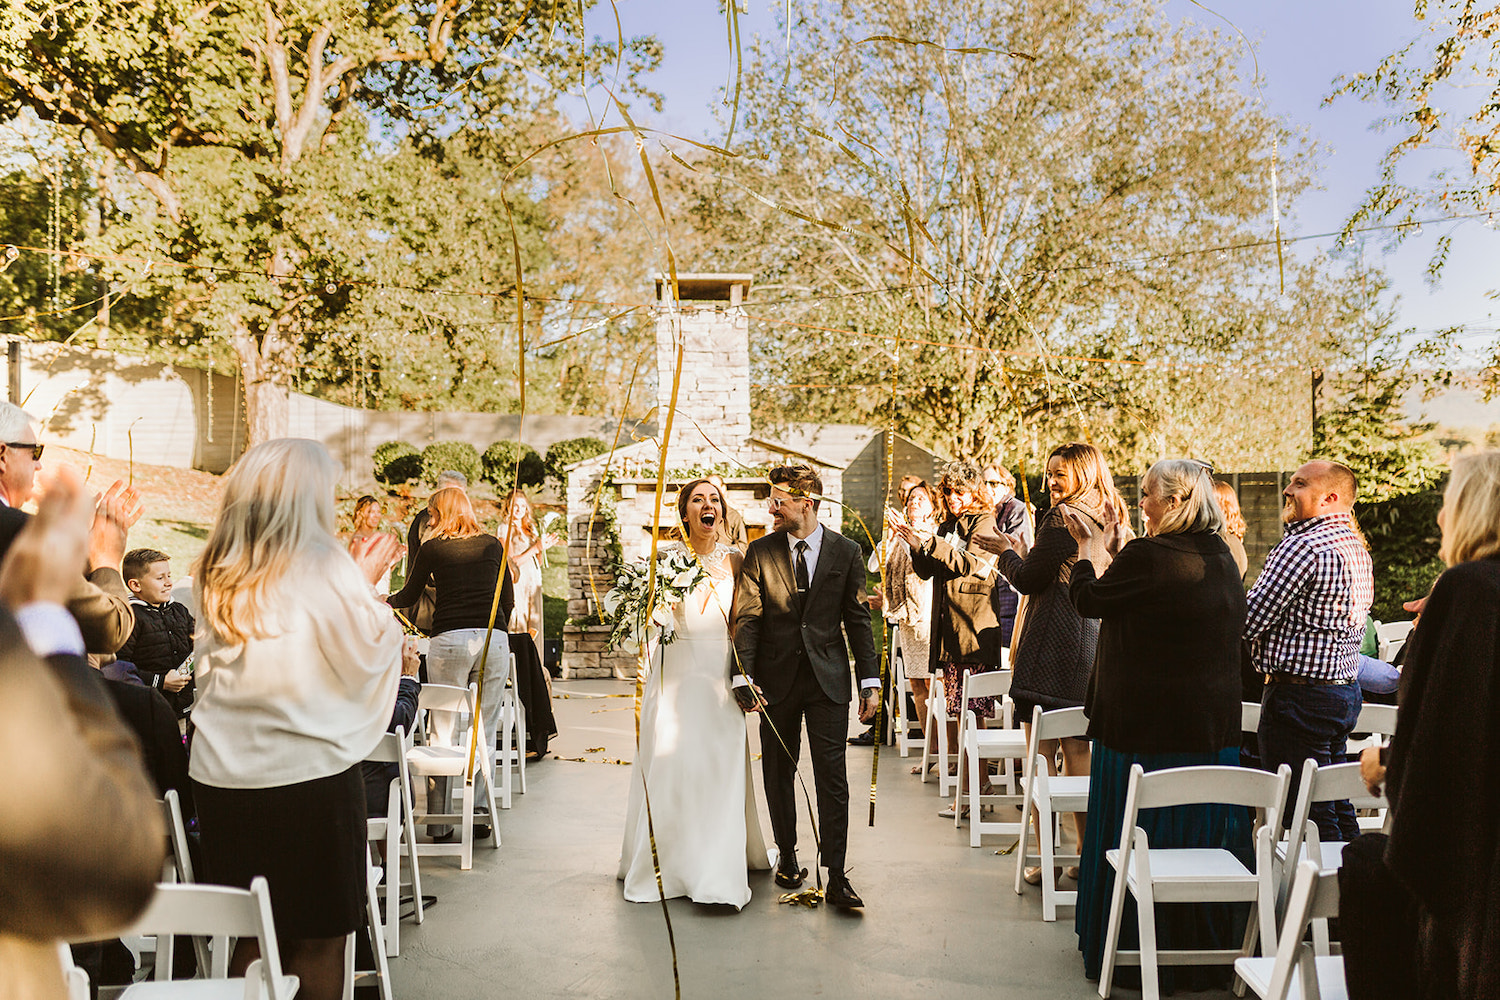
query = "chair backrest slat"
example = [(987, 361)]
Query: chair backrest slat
[(1375, 718), (1249, 716), (990, 684), (1060, 723), (1236, 786)]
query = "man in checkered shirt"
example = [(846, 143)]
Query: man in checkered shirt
[(1304, 623)]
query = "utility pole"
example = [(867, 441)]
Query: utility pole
[(1317, 433)]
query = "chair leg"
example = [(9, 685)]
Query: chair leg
[(1048, 845), (489, 794), (521, 742), (466, 833), (1145, 918), (974, 808), (348, 965), (1022, 842), (416, 868), (377, 938), (392, 889), (1112, 932)]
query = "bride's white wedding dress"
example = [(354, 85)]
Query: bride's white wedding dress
[(694, 758)]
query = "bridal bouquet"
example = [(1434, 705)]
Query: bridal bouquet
[(625, 608)]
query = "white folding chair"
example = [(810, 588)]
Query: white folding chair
[(179, 864), (453, 762), (510, 741), (1390, 637), (978, 745), (1250, 717), (900, 689), (397, 831), (1050, 796), (382, 972), (1298, 969), (1191, 874), (76, 979), (222, 913), (1321, 784), (936, 750), (1379, 722)]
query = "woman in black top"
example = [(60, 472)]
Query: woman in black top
[(464, 563), (1165, 690), (1052, 649)]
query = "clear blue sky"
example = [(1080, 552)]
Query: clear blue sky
[(1302, 46)]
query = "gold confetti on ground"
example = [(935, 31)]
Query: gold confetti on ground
[(809, 898), (592, 760), (1005, 851), (594, 750)]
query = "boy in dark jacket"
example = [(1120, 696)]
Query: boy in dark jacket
[(162, 639)]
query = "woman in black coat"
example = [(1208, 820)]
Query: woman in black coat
[(1437, 932), (1165, 690), (965, 631)]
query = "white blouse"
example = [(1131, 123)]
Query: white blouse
[(311, 700)]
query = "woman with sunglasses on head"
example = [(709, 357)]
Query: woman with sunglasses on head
[(965, 632), (1052, 649)]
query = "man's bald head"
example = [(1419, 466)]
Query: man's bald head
[(1320, 487)]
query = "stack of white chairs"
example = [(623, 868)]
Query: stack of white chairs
[(1297, 969), (1050, 796), (397, 831), (222, 913), (430, 761), (1172, 875), (978, 745)]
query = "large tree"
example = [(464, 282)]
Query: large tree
[(311, 149), (1021, 202), (1443, 91)]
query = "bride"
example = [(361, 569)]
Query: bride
[(694, 754)]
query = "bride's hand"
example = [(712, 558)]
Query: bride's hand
[(749, 698)]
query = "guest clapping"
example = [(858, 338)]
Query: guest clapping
[(297, 670), (965, 632), (907, 599), (1052, 651), (1165, 691)]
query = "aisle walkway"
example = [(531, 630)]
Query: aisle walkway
[(543, 916)]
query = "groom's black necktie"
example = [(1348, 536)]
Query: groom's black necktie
[(802, 581)]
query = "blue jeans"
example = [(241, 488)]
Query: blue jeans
[(1377, 676), (1302, 721)]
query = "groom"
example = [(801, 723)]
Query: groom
[(798, 597)]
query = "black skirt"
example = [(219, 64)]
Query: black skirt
[(308, 840)]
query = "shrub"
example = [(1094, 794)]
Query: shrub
[(565, 453), (397, 462), (1403, 536), (499, 462), (460, 456)]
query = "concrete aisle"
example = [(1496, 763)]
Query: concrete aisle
[(543, 916)]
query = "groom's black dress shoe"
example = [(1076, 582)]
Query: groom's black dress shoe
[(864, 739), (841, 894), (788, 875)]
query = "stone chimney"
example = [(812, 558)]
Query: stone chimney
[(713, 398)]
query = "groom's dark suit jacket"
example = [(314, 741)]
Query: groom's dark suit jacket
[(772, 624)]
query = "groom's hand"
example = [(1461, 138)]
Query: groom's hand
[(748, 698), (869, 704)]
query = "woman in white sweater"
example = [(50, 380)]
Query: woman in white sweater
[(297, 667)]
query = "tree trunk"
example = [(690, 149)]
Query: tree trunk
[(267, 403)]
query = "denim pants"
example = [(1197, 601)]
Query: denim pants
[(1302, 721), (453, 658)]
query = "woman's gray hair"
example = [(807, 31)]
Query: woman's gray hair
[(14, 421), (1187, 480)]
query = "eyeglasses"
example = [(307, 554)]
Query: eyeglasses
[(32, 446), (775, 503), (993, 482)]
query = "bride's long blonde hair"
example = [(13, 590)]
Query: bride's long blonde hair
[(278, 505)]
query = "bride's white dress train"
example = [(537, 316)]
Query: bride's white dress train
[(694, 758)]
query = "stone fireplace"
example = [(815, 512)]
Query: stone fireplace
[(611, 498)]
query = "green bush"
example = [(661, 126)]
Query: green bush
[(1403, 536), (499, 462), (460, 456), (397, 462), (565, 453)]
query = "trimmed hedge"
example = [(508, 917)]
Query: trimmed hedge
[(499, 462), (460, 456), (565, 453), (397, 462)]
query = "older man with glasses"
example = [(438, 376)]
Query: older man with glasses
[(100, 602)]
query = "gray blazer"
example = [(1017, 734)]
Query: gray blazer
[(770, 622)]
